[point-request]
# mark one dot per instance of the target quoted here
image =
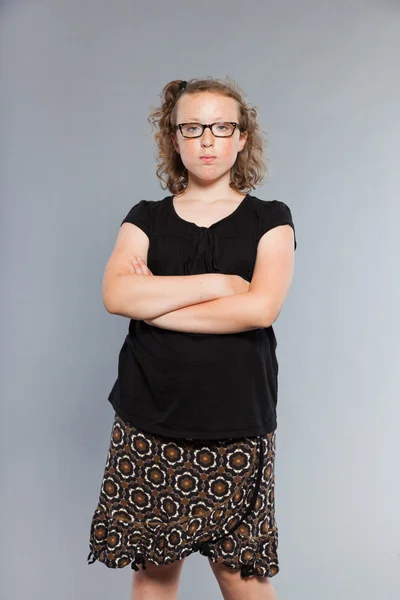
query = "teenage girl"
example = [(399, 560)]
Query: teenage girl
[(202, 274)]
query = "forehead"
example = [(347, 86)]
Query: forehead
[(206, 106)]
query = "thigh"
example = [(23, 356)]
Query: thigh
[(235, 587), (157, 581), (165, 572)]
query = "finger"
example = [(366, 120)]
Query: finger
[(132, 269), (137, 267), (143, 266)]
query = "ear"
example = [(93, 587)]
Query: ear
[(174, 141), (242, 139)]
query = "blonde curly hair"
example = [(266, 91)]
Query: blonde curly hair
[(250, 166)]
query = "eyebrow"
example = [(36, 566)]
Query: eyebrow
[(196, 120)]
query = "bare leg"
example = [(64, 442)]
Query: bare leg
[(233, 587), (157, 582)]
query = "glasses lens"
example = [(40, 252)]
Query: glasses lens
[(222, 129), (191, 130)]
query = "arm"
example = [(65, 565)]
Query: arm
[(259, 307), (127, 290), (142, 297), (233, 314)]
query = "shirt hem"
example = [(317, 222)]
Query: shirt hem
[(196, 435)]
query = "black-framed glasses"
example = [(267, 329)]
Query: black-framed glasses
[(194, 130)]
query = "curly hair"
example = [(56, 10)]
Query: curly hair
[(250, 166)]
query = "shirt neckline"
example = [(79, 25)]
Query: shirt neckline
[(171, 203)]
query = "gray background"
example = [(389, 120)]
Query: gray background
[(78, 80)]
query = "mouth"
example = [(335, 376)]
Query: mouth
[(207, 159)]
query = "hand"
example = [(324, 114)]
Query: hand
[(139, 266)]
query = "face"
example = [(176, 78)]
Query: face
[(206, 107)]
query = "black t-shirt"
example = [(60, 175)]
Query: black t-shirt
[(194, 385)]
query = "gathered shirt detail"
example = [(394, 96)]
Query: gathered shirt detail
[(205, 247)]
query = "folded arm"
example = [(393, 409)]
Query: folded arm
[(134, 292), (259, 307), (232, 314)]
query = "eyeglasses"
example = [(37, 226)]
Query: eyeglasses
[(194, 130)]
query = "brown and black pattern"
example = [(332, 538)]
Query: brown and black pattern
[(162, 499)]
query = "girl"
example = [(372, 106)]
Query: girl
[(202, 275)]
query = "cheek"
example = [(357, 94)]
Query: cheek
[(189, 152), (227, 151), (228, 154), (192, 152)]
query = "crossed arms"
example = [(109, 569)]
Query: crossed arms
[(213, 302)]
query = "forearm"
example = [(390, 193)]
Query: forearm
[(142, 297), (231, 314)]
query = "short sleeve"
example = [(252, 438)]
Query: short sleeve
[(139, 215), (276, 213)]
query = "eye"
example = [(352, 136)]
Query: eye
[(192, 127)]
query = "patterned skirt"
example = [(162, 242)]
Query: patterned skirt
[(163, 498)]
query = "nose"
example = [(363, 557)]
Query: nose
[(207, 137)]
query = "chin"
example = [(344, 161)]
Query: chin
[(209, 172)]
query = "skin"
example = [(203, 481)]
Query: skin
[(207, 193), (208, 182)]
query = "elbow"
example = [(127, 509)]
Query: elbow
[(269, 322), (117, 297), (268, 314), (117, 308), (114, 304), (125, 309), (266, 321), (108, 295), (271, 317), (109, 306)]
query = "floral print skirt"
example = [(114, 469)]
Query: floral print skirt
[(163, 498)]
